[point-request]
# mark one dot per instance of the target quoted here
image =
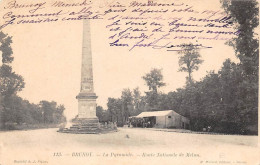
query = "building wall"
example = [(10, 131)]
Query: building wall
[(160, 122), (169, 121), (175, 121)]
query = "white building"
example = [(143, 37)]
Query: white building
[(165, 119)]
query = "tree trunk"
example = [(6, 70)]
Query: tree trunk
[(190, 77)]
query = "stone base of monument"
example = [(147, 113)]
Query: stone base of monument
[(88, 126)]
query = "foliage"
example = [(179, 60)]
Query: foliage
[(246, 45), (102, 114), (20, 111), (51, 113), (131, 103), (10, 82), (115, 110), (216, 101), (127, 102), (5, 48), (13, 109), (154, 79), (189, 60)]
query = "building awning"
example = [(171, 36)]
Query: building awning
[(154, 113)]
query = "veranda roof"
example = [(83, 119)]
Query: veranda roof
[(154, 113)]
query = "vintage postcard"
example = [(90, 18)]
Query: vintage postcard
[(121, 82)]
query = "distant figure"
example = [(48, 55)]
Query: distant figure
[(115, 124), (149, 124), (209, 128)]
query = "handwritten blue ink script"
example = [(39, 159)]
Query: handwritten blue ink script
[(131, 25)]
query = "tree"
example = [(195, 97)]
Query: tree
[(114, 107), (48, 109), (102, 114), (138, 102), (14, 109), (246, 46), (127, 103), (10, 82), (154, 80), (35, 113), (58, 115), (1, 111), (189, 60), (6, 49), (136, 98)]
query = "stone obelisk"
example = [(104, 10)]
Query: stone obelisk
[(87, 97), (87, 121)]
